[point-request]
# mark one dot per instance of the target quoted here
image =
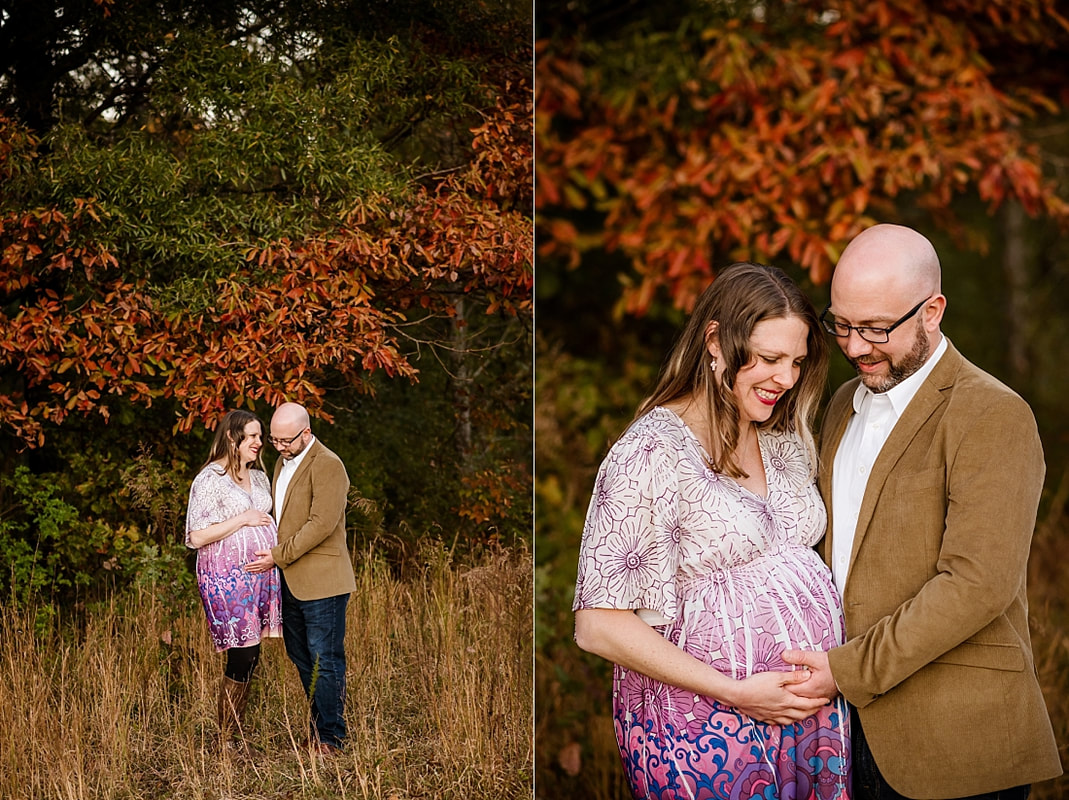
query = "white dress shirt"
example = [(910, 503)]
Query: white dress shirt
[(875, 416), (285, 475)]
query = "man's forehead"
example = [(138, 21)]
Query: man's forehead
[(877, 303)]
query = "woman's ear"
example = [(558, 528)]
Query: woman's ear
[(712, 341)]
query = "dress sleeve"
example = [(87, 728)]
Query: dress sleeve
[(630, 548), (206, 502)]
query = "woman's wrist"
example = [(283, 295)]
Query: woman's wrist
[(723, 689)]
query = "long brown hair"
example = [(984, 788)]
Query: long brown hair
[(741, 296), (228, 437)]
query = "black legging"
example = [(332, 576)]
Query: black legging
[(240, 662)]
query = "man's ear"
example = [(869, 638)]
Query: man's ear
[(932, 312)]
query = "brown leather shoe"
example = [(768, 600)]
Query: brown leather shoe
[(324, 751)]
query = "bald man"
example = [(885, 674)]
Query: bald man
[(310, 491), (931, 471)]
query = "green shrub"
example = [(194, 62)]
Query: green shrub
[(60, 556), (50, 550)]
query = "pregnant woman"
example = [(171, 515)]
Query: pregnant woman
[(227, 522), (696, 568)]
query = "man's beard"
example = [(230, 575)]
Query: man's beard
[(294, 453), (902, 369)]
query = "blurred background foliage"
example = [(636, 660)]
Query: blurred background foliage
[(212, 205), (657, 165)]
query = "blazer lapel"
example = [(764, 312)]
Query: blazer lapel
[(928, 398), (302, 468), (833, 436)]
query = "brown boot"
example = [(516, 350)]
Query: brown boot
[(233, 697)]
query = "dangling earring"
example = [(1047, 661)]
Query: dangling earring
[(712, 363)]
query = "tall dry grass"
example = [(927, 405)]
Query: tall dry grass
[(439, 699)]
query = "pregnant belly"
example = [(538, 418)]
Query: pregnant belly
[(238, 549), (740, 620)]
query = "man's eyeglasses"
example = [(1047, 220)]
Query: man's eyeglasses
[(866, 332), (280, 443)]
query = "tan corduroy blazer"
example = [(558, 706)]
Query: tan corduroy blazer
[(311, 551), (938, 658)]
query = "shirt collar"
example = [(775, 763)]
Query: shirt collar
[(295, 462), (900, 394)]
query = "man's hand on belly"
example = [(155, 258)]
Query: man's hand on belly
[(262, 564), (820, 683)]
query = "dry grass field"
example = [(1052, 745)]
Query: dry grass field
[(122, 705)]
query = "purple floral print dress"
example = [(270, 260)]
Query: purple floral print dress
[(731, 578), (241, 607)]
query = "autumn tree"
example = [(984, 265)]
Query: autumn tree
[(776, 132), (215, 204)]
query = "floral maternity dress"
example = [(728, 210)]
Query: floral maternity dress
[(241, 607), (730, 577)]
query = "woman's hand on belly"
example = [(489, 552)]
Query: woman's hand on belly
[(767, 698), (254, 517), (620, 636)]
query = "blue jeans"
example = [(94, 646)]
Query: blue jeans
[(314, 634)]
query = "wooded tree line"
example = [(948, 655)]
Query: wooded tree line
[(675, 139), (226, 204)]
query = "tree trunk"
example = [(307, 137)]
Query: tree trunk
[(462, 382), (1018, 280)]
